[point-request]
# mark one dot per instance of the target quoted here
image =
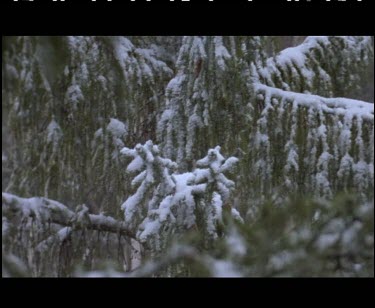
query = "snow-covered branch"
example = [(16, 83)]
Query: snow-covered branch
[(46, 210), (166, 202), (320, 65), (338, 106)]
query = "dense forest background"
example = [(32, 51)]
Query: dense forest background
[(188, 156)]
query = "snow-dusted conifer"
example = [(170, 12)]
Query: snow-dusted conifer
[(327, 66), (166, 203), (71, 104), (153, 183), (214, 190), (196, 106)]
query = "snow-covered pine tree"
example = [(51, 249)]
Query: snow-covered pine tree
[(71, 103), (82, 84), (327, 141), (209, 100), (153, 184), (166, 203), (334, 66), (286, 137), (214, 204)]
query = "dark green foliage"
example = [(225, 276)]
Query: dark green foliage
[(301, 238)]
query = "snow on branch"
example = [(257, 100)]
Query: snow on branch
[(153, 181), (327, 66), (338, 106), (140, 64), (46, 210), (327, 142), (217, 189), (165, 202)]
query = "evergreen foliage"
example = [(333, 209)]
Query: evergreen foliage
[(295, 116)]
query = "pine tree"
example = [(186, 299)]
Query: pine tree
[(291, 109), (261, 109), (82, 84), (166, 203)]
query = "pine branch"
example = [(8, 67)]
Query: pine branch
[(46, 210), (339, 106), (328, 66)]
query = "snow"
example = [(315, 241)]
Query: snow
[(216, 165), (327, 240), (224, 269), (213, 160), (217, 204), (117, 128), (140, 64), (202, 175), (154, 175), (349, 122), (110, 273), (139, 178), (361, 174), (164, 210), (346, 165), (136, 165), (166, 200), (338, 150), (55, 239), (236, 215), (292, 161), (221, 53), (229, 164), (284, 258), (174, 86), (323, 185), (123, 47), (28, 207), (130, 206), (308, 66), (84, 73), (324, 158), (54, 132), (184, 195), (340, 106), (293, 55), (150, 56), (74, 95), (151, 227), (236, 244)]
